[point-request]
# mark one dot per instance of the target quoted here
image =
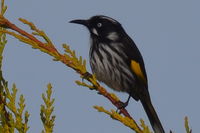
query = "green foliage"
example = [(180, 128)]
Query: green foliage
[(187, 128), (46, 111), (11, 116), (78, 63), (124, 120), (3, 40), (18, 117)]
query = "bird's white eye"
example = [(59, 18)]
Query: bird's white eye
[(99, 25)]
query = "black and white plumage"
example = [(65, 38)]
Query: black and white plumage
[(116, 61)]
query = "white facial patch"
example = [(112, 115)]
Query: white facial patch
[(95, 31), (113, 36)]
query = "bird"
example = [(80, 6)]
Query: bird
[(116, 61)]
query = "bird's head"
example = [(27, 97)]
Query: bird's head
[(102, 26)]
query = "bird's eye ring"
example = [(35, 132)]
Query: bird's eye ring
[(99, 25)]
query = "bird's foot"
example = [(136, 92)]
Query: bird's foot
[(121, 105), (86, 75)]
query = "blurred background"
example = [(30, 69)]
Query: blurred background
[(166, 32)]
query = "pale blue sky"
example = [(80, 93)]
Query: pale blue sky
[(166, 32)]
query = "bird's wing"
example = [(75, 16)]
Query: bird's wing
[(135, 61)]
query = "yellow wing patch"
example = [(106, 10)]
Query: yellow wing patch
[(135, 66)]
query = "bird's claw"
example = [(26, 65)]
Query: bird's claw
[(86, 75), (121, 105)]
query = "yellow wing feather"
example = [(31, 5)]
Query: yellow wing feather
[(135, 66)]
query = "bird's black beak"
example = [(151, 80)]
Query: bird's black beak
[(80, 21)]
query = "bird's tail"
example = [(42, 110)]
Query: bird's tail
[(152, 115)]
